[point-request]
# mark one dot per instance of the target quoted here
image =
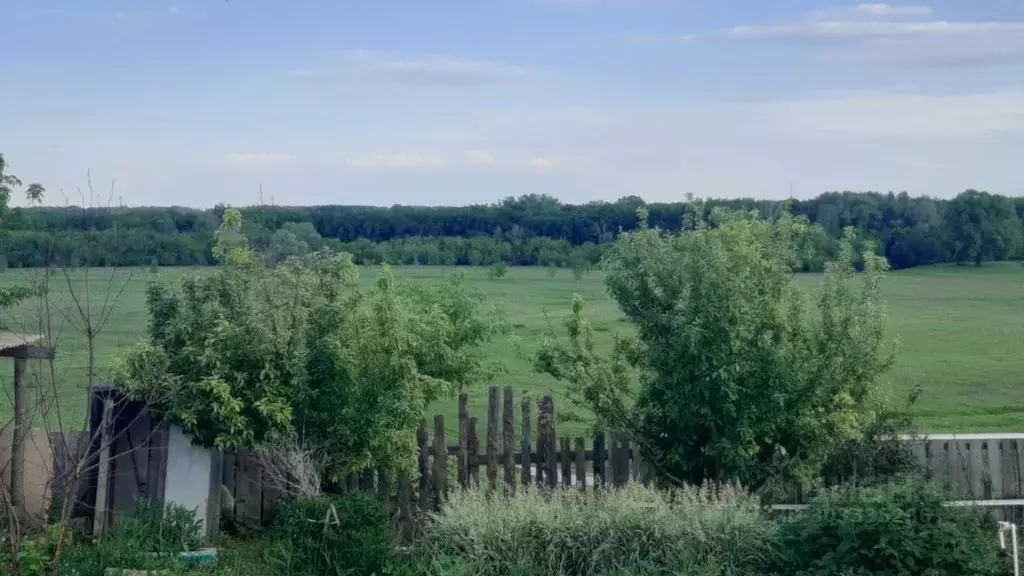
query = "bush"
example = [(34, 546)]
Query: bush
[(362, 542), (904, 529), (133, 540), (497, 270), (631, 531)]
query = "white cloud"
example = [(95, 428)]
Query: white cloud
[(173, 10), (859, 29), (480, 157), (416, 69), (542, 163), (258, 159), (120, 15), (397, 160)]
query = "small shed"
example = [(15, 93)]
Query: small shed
[(137, 454)]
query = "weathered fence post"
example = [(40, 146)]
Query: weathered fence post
[(492, 437), (546, 422), (474, 453), (525, 460), (620, 460), (405, 506), (464, 440), (600, 470), (424, 467), (440, 462), (581, 464), (566, 462), (508, 437)]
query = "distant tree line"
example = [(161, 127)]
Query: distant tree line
[(530, 230)]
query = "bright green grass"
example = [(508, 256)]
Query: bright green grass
[(961, 332)]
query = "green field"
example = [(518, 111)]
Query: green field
[(961, 332)]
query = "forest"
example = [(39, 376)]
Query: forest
[(529, 230)]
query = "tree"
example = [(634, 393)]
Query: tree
[(284, 245), (295, 355), (733, 374), (982, 226)]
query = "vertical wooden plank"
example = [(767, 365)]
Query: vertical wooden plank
[(955, 461), (270, 498), (565, 459), (21, 425), (542, 446), (974, 469), (405, 516), (255, 505), (424, 468), (440, 462), (1018, 466), (548, 429), (993, 469), (366, 480), (526, 461), (100, 517), (464, 440), (581, 464), (600, 468), (1007, 473), (920, 453), (634, 463), (242, 485), (352, 483), (474, 453), (508, 437), (492, 437), (620, 460), (938, 461), (383, 487), (227, 471)]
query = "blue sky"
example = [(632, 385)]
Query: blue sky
[(194, 102)]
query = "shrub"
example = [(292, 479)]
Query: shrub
[(634, 530), (132, 541), (361, 542), (902, 529), (497, 270)]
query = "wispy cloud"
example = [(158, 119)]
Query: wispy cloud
[(882, 34), (397, 160), (480, 157), (120, 15), (258, 158), (414, 68), (542, 163), (174, 11)]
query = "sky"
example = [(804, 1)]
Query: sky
[(452, 102)]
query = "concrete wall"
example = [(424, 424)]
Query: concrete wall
[(189, 472), (38, 469)]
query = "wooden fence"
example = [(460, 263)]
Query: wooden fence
[(984, 469)]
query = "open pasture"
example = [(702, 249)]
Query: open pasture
[(960, 331)]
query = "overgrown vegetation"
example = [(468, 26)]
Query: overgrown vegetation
[(904, 529), (295, 355), (733, 373)]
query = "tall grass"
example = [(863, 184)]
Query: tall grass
[(636, 530)]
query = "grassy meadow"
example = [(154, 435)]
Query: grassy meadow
[(960, 331)]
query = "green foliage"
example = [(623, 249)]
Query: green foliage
[(982, 226), (154, 265), (903, 530), (3, 263), (361, 543), (736, 375), (497, 271), (297, 354), (148, 538), (686, 531)]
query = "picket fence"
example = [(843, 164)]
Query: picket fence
[(978, 469)]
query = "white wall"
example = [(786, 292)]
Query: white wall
[(188, 474)]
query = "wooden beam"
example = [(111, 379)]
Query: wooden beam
[(100, 514), (41, 352), (20, 433)]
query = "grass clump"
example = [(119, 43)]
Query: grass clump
[(635, 530)]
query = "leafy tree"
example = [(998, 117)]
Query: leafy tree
[(733, 373), (284, 245), (982, 226), (296, 355), (497, 271)]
